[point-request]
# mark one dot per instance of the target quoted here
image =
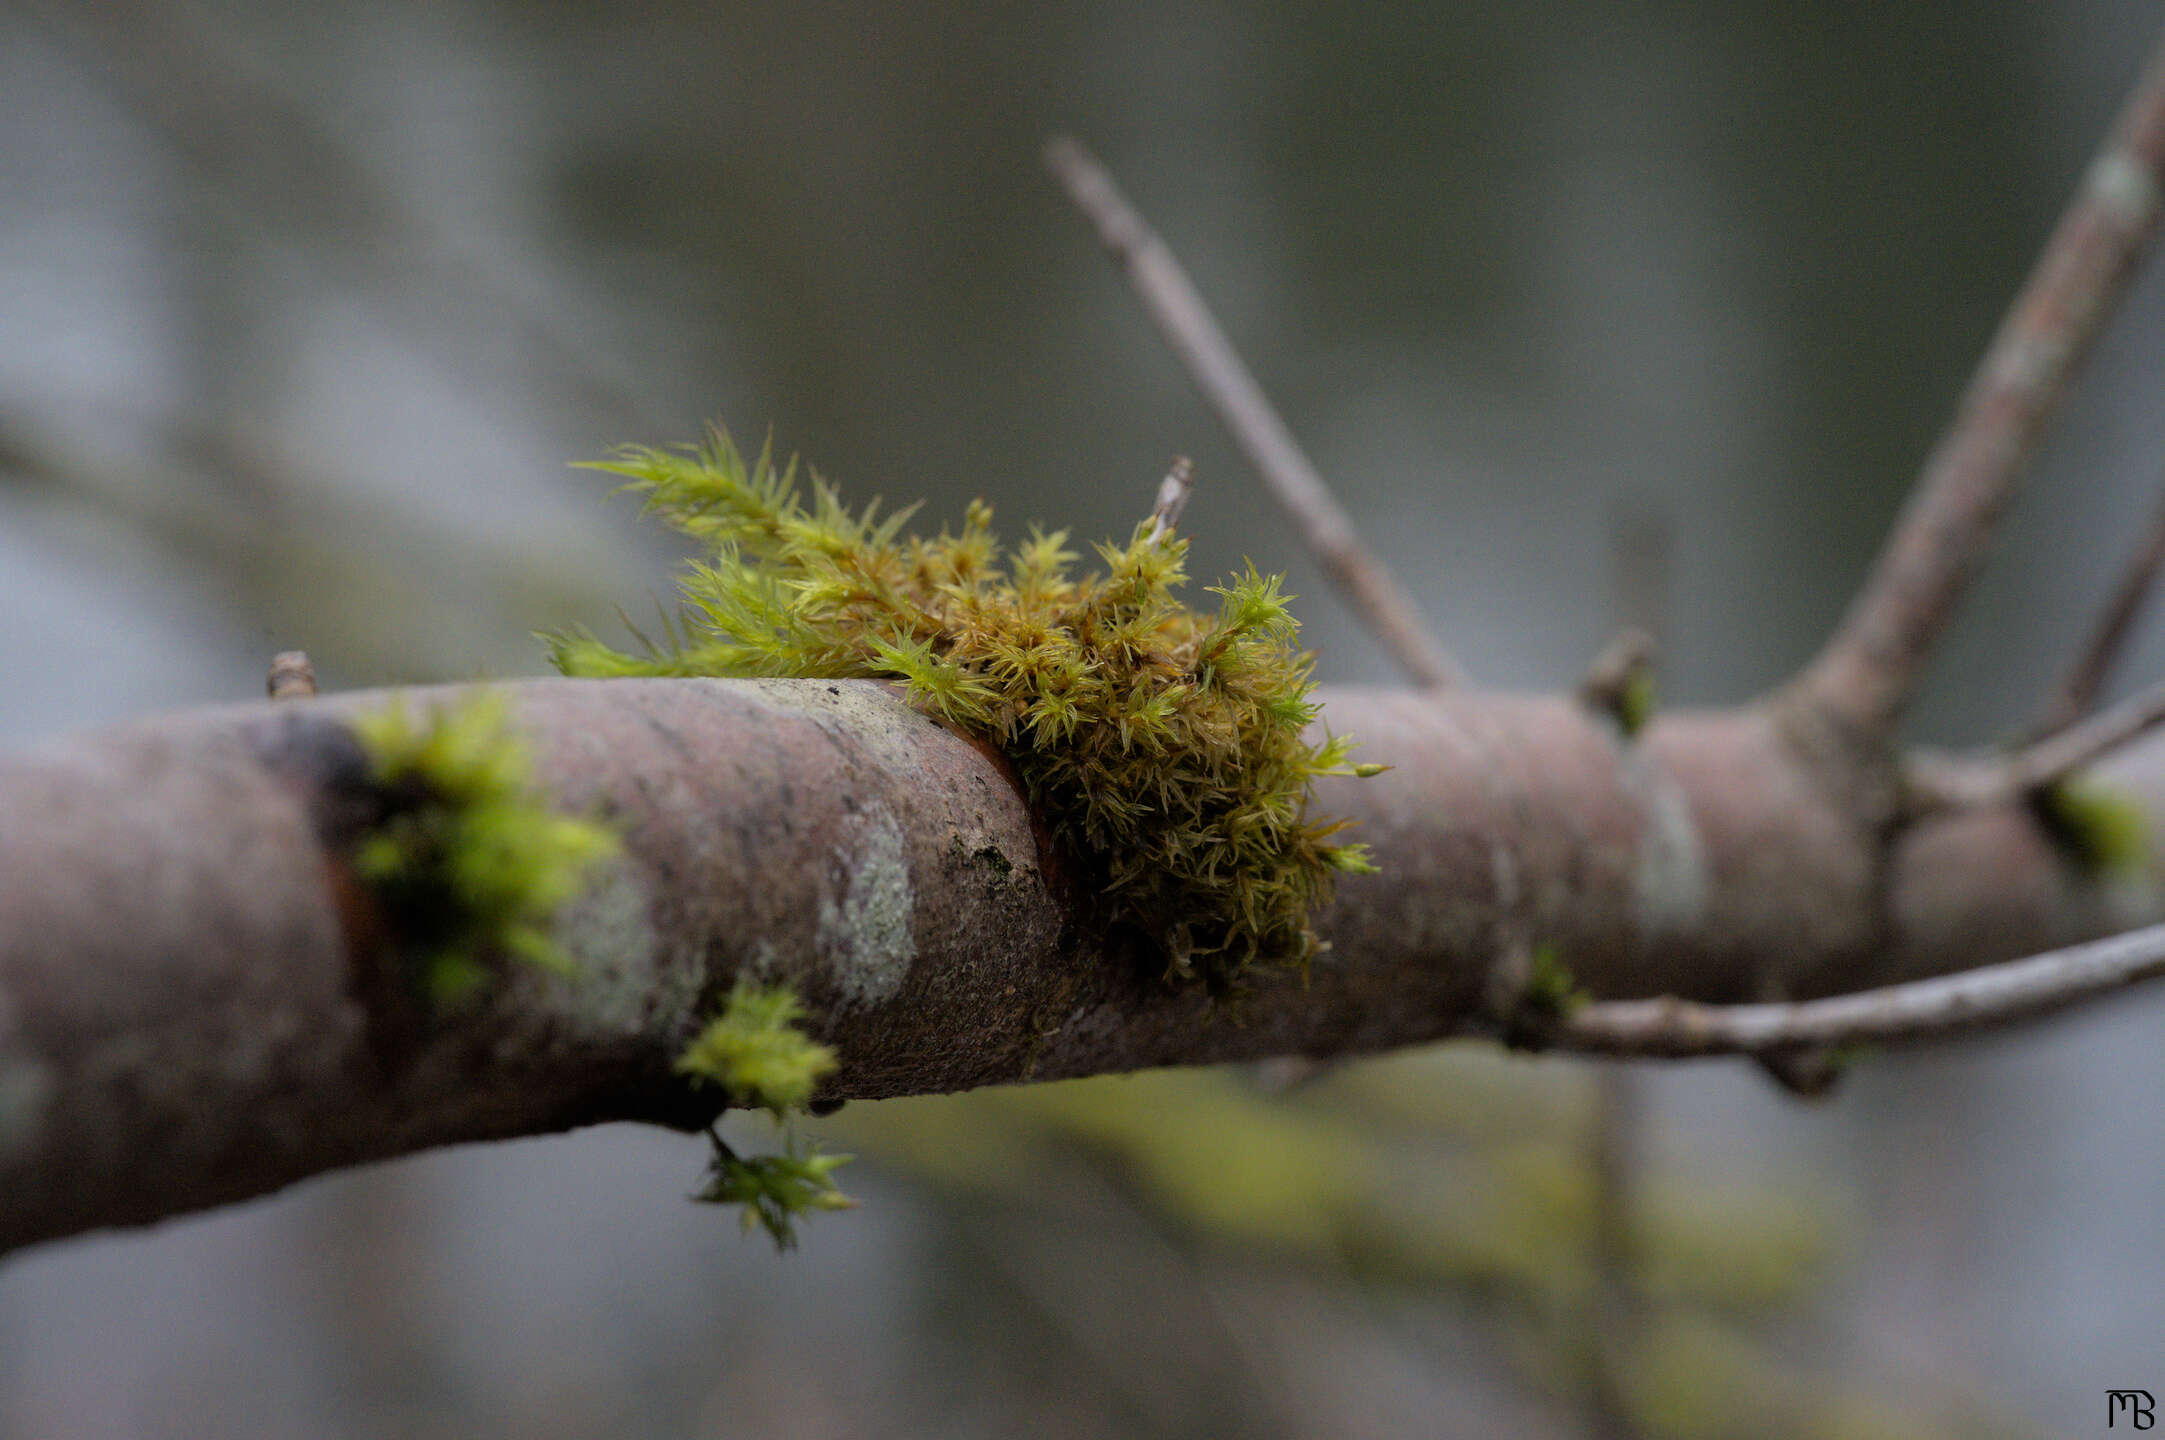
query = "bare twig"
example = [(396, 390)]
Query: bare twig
[(2093, 667), (1870, 668), (1187, 325), (1944, 782), (1920, 1010)]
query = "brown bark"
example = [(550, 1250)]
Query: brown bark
[(192, 996)]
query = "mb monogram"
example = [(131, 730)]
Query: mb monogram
[(2136, 1405)]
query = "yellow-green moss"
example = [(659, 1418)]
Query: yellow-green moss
[(755, 1054), (2101, 828), (469, 861), (1167, 747), (776, 1190)]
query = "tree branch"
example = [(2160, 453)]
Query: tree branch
[(1188, 326), (193, 996), (1871, 667), (1921, 1010), (1935, 782)]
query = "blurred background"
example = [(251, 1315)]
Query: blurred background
[(304, 310)]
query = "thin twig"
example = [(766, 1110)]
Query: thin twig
[(1920, 1010), (1943, 782), (1173, 493), (2086, 678), (1187, 325), (1870, 668)]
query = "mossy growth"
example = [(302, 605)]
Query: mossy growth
[(776, 1191), (469, 861), (754, 1052), (1168, 747), (2101, 829), (757, 1056), (1550, 996), (1637, 700)]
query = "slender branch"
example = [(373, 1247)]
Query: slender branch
[(1919, 1010), (1938, 782), (1227, 384), (1871, 667), (2086, 678)]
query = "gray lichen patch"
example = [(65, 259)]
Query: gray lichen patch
[(1670, 883), (621, 982), (864, 934), (861, 715)]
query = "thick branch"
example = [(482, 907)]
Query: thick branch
[(194, 1009), (1869, 670)]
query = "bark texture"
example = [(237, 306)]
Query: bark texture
[(194, 994)]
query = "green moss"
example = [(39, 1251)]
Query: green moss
[(1637, 700), (754, 1052), (2100, 828), (469, 861), (775, 1190), (1167, 747), (1551, 993)]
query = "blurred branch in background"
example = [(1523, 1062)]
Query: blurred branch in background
[(1454, 1182), (280, 169), (387, 596)]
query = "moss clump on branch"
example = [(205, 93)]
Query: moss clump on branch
[(756, 1055), (754, 1052), (1168, 747), (2101, 829), (469, 862), (1551, 995)]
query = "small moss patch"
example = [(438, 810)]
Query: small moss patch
[(757, 1056), (469, 861)]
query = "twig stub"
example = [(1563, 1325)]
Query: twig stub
[(292, 676)]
